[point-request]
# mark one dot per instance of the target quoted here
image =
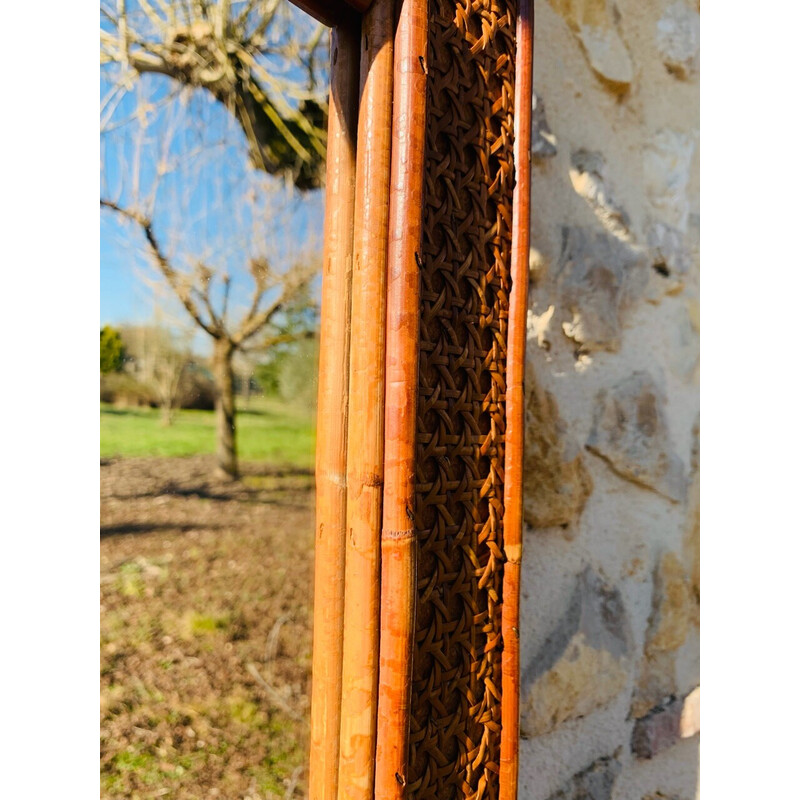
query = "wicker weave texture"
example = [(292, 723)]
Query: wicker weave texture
[(454, 742)]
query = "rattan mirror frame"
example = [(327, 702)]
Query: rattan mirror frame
[(388, 261)]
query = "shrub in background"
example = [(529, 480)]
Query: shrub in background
[(112, 351)]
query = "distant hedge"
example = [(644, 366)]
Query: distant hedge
[(122, 389)]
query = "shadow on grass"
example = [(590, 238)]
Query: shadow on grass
[(131, 411), (149, 411), (150, 527), (255, 470), (257, 483), (258, 412)]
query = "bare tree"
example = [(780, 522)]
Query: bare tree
[(262, 59), (194, 290), (244, 365), (160, 360)]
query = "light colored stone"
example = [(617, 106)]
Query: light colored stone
[(684, 347), (583, 664), (538, 327), (690, 715), (667, 172), (588, 176), (691, 536), (656, 682), (672, 611), (669, 257), (543, 142), (557, 483), (630, 432), (599, 277), (674, 614), (693, 306), (596, 782), (585, 681), (678, 40), (592, 21), (537, 266)]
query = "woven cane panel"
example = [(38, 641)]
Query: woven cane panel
[(454, 745)]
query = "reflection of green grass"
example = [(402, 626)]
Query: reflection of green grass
[(130, 580), (269, 431), (200, 624)]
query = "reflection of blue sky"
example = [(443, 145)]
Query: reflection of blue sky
[(210, 204)]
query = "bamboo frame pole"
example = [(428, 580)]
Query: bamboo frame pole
[(365, 435), (331, 461), (398, 547), (515, 404)]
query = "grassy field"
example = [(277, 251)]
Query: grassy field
[(269, 430)]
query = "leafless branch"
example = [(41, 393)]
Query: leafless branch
[(222, 48), (274, 695), (174, 278)]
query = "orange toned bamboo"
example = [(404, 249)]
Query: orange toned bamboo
[(398, 544), (365, 433), (331, 467), (515, 401)]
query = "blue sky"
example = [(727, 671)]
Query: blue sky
[(209, 205)]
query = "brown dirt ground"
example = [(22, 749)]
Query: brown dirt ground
[(206, 597)]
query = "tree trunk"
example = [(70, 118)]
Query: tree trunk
[(246, 388), (227, 466)]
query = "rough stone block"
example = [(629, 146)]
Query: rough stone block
[(557, 484), (665, 725), (683, 353), (593, 23), (657, 731), (630, 432), (667, 172), (673, 609), (669, 257), (691, 535), (588, 176), (674, 613), (678, 40), (599, 277), (543, 142), (583, 664), (596, 782)]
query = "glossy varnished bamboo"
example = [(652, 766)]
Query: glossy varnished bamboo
[(331, 459), (402, 358), (515, 404), (366, 411)]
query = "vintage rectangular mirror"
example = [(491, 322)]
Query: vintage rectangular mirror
[(418, 475)]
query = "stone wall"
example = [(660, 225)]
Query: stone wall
[(610, 606)]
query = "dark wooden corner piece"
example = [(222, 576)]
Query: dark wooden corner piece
[(333, 12)]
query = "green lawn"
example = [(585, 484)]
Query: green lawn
[(269, 430)]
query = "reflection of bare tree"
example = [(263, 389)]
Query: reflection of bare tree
[(216, 230), (259, 58), (194, 290), (160, 359), (244, 364)]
